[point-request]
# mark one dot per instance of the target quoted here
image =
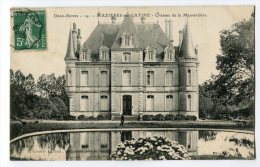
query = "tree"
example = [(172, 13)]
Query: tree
[(46, 100), (235, 82)]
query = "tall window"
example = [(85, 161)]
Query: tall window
[(69, 78), (169, 54), (103, 103), (189, 77), (150, 78), (127, 40), (84, 103), (84, 78), (104, 55), (126, 57), (169, 78), (169, 103), (104, 78), (126, 78), (189, 103), (150, 55), (84, 55), (150, 103)]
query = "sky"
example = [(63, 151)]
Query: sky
[(205, 30)]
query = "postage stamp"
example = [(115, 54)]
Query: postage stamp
[(29, 28)]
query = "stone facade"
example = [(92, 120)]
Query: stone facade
[(131, 69)]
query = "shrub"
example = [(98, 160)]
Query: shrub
[(91, 118), (169, 117), (69, 117), (150, 148), (148, 117), (188, 117), (179, 117), (158, 117), (193, 117), (100, 117), (81, 117)]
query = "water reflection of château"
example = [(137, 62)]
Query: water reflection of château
[(100, 145)]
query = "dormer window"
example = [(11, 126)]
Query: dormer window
[(150, 54), (104, 53), (85, 55), (127, 40), (169, 54)]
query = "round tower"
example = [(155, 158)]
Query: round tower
[(70, 59), (188, 75)]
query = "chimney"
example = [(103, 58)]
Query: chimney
[(170, 31), (142, 19), (113, 19), (78, 40), (180, 38), (167, 28), (74, 37)]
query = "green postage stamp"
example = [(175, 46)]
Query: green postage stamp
[(29, 28)]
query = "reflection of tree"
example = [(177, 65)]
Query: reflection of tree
[(20, 145), (48, 140), (207, 135), (53, 140), (242, 142)]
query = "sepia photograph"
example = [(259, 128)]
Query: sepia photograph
[(132, 83)]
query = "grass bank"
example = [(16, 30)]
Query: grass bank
[(18, 129)]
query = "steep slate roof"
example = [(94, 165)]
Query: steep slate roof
[(187, 48), (103, 34), (143, 36)]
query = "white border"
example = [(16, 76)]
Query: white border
[(5, 66)]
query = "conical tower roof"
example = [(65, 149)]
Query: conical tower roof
[(70, 55), (187, 48)]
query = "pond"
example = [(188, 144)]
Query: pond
[(99, 145)]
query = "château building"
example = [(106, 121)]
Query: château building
[(132, 69)]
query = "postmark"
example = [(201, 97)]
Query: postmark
[(29, 28)]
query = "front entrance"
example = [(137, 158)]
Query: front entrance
[(127, 105)]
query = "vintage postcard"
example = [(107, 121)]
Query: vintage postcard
[(132, 83)]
